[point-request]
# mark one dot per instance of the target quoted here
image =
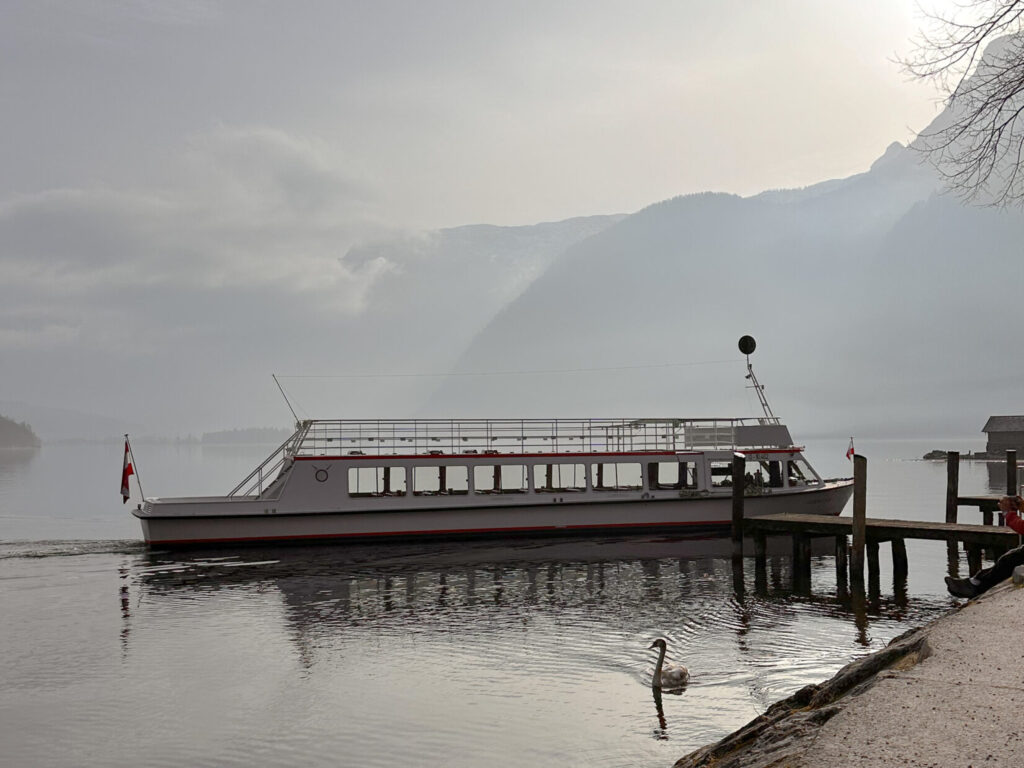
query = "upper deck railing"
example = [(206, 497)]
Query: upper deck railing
[(527, 436), (434, 437)]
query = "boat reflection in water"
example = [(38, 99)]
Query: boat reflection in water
[(633, 582)]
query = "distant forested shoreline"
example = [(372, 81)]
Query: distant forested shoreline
[(14, 434)]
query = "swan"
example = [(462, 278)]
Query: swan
[(667, 675)]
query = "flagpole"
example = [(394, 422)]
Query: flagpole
[(135, 466)]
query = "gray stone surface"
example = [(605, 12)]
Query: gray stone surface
[(961, 706)]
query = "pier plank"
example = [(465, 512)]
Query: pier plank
[(881, 529), (986, 503)]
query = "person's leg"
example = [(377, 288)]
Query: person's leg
[(1002, 569)]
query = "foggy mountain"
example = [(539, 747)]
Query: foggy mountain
[(880, 307), (154, 340)]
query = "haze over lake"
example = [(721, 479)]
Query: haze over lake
[(530, 652), (461, 210)]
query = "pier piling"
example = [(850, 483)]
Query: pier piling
[(801, 563), (952, 496), (860, 484), (842, 574), (738, 465), (874, 579), (900, 566)]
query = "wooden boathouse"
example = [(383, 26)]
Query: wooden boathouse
[(1005, 433)]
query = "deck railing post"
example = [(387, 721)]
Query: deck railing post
[(738, 465), (860, 482)]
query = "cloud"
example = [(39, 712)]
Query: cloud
[(247, 211)]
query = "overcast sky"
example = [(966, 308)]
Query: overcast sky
[(446, 113), (183, 181)]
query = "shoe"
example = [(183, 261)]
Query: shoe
[(961, 587)]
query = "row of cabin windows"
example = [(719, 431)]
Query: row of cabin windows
[(560, 478)]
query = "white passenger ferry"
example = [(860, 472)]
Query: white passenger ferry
[(375, 479)]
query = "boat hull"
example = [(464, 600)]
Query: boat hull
[(206, 526)]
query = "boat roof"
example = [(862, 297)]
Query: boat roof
[(405, 437)]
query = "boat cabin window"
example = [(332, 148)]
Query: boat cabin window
[(442, 480), (500, 478), (548, 478), (798, 472), (619, 476), (376, 481), (671, 475), (755, 474), (721, 474)]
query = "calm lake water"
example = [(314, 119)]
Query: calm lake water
[(529, 653)]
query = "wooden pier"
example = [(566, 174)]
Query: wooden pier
[(880, 529), (989, 538)]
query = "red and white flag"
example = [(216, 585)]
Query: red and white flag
[(127, 472), (849, 451)]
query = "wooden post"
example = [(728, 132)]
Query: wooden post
[(952, 484), (842, 573), (801, 563), (874, 585), (899, 557), (1011, 473), (805, 555), (899, 572), (952, 492), (952, 558), (738, 465), (860, 484)]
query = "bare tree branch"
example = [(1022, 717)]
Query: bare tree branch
[(976, 54)]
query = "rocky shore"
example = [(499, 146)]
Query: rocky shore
[(950, 693)]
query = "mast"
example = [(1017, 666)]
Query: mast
[(286, 400), (747, 346)]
